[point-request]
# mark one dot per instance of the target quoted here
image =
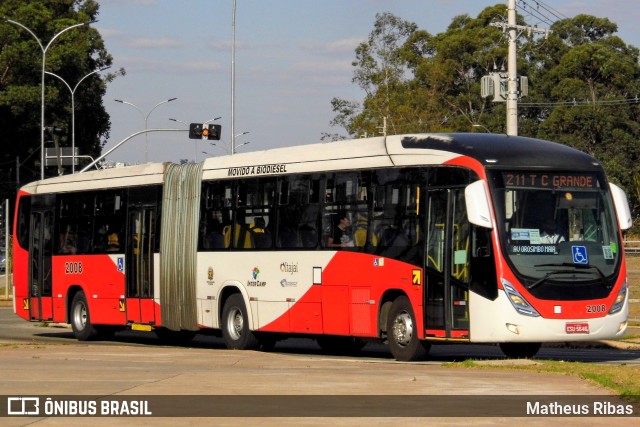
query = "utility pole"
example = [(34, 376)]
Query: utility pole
[(512, 65), (383, 128)]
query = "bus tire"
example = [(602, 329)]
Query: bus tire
[(520, 350), (80, 318), (235, 325), (402, 332)]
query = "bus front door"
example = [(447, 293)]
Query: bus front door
[(40, 252), (140, 269), (447, 265)]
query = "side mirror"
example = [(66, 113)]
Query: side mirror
[(622, 206), (478, 207)]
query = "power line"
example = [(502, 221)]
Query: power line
[(535, 14), (575, 103), (550, 9), (541, 11)]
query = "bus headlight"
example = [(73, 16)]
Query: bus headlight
[(519, 303), (620, 298)]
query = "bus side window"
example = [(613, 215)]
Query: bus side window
[(108, 219), (298, 211), (482, 264)]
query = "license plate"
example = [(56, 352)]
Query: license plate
[(577, 328)]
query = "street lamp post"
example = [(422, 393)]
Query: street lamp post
[(229, 148), (146, 120), (244, 143), (233, 142), (233, 78), (44, 55), (73, 112)]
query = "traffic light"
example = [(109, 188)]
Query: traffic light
[(212, 132), (195, 131), (203, 131)]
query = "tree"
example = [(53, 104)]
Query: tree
[(380, 73), (584, 83), (71, 56), (592, 83), (421, 82)]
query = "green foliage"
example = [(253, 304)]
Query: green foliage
[(623, 380), (584, 84), (72, 55)]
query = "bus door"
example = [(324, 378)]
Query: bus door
[(447, 265), (40, 252), (139, 262)]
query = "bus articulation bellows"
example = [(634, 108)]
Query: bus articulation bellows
[(445, 237)]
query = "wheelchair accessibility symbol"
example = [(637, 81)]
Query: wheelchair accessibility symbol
[(580, 255)]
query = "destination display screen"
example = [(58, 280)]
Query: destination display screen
[(550, 180)]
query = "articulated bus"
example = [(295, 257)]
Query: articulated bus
[(475, 238)]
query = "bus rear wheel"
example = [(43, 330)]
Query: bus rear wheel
[(80, 319), (235, 325), (520, 350), (402, 332)]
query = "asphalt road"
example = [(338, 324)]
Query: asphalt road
[(47, 361), (14, 329)]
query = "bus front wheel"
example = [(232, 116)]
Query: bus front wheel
[(81, 325), (402, 332), (235, 325), (520, 350)]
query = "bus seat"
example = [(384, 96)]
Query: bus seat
[(226, 231), (360, 238), (261, 240)]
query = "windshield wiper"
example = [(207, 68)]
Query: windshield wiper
[(551, 273), (574, 266)]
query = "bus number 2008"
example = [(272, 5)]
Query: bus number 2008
[(72, 268)]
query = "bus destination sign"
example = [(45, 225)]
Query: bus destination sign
[(549, 180)]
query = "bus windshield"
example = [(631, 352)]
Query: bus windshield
[(557, 228)]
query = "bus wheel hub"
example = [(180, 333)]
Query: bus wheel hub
[(402, 329)]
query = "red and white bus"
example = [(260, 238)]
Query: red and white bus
[(448, 237)]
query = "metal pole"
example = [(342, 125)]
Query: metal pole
[(146, 119), (73, 112), (234, 147), (90, 165), (73, 119), (512, 73), (233, 79), (146, 139), (44, 56)]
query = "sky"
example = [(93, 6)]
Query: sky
[(291, 58)]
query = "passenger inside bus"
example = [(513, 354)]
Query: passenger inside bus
[(550, 233), (68, 242), (340, 237), (108, 239)]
